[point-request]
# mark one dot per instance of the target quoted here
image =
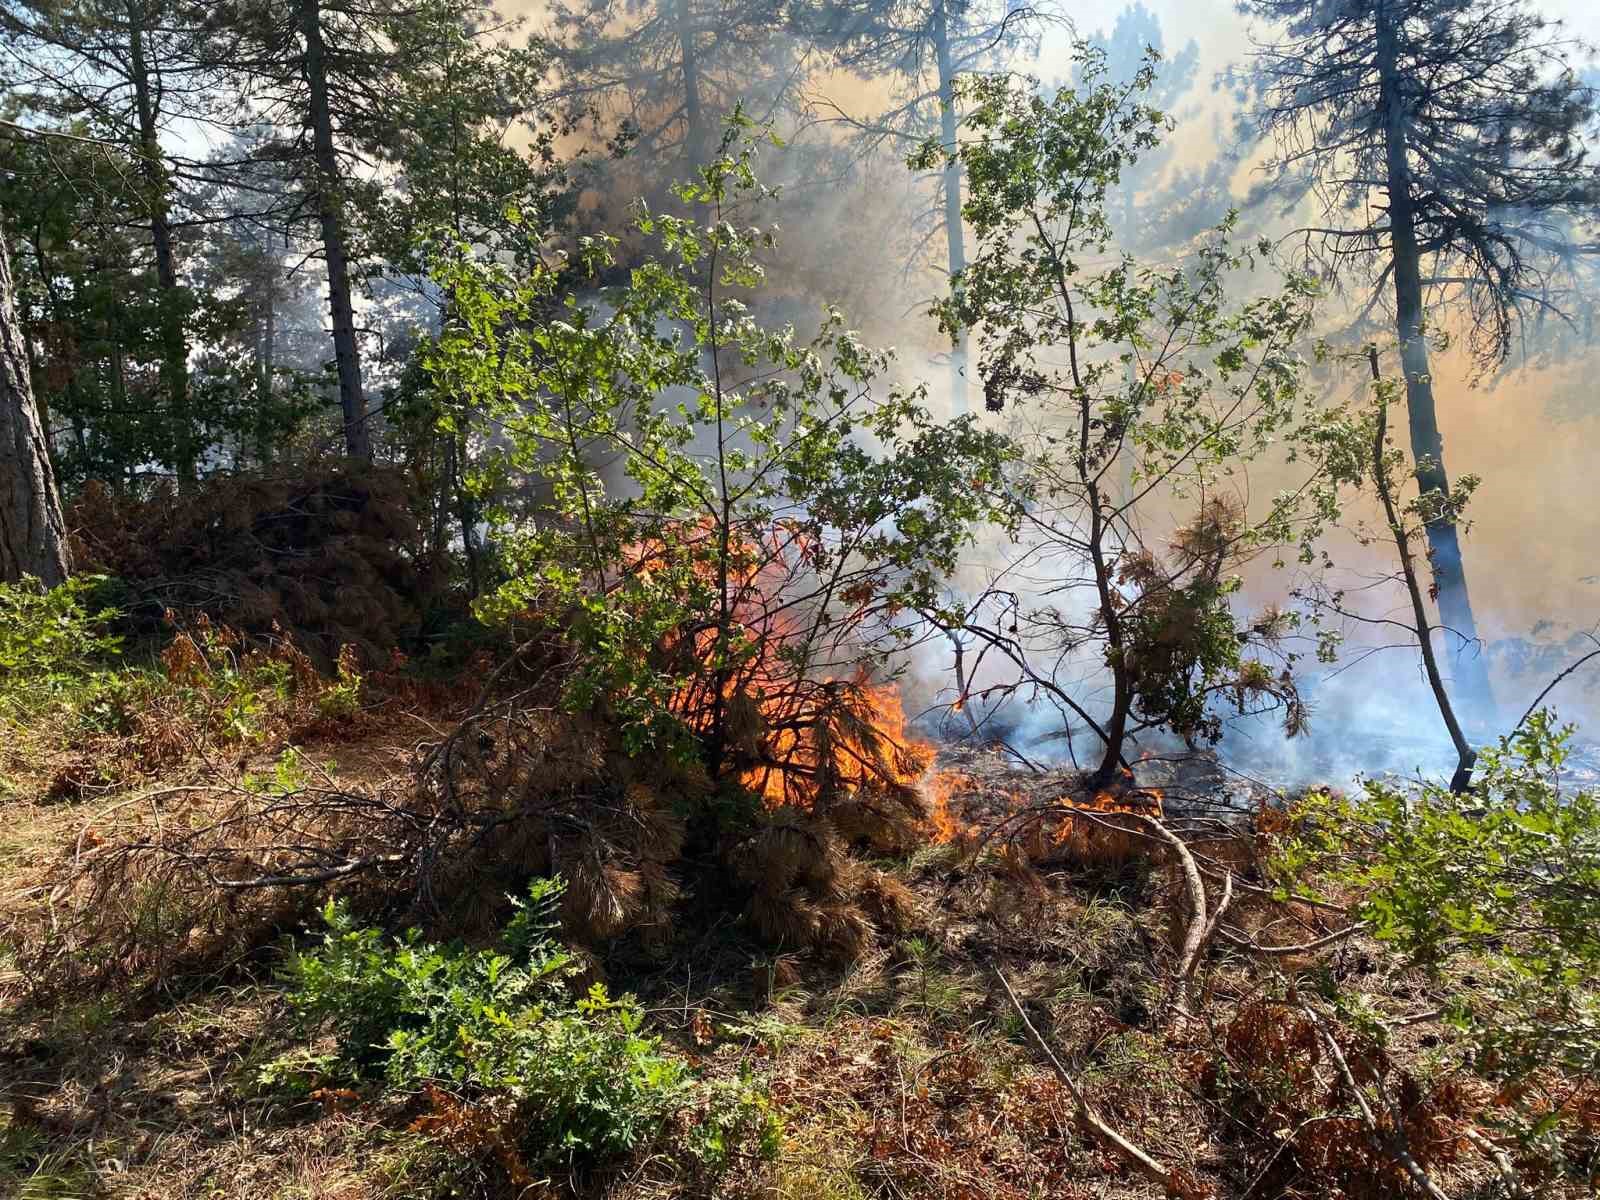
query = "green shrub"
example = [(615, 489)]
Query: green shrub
[(735, 1116), (55, 650), (1503, 883), (584, 1083)]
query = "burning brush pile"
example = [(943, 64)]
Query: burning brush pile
[(804, 787), (789, 765)]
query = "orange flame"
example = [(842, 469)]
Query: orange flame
[(813, 734)]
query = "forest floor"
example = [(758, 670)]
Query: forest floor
[(903, 1074)]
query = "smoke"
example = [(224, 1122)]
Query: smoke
[(851, 237)]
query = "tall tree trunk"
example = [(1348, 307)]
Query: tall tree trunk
[(174, 345), (33, 532), (697, 143), (346, 349), (1427, 445), (954, 235), (1466, 756), (266, 362)]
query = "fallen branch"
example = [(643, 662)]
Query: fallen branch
[(1244, 942), (1203, 921), (1394, 1146), (1187, 967), (1173, 1182), (1501, 1161), (1202, 924)]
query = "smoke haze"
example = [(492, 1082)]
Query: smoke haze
[(851, 236)]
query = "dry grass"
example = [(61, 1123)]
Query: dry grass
[(901, 1074)]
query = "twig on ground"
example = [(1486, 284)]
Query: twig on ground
[(1172, 1181), (1244, 942), (1501, 1161), (1392, 1145)]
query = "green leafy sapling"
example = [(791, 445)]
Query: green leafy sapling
[(726, 510), (583, 1081), (1131, 389)]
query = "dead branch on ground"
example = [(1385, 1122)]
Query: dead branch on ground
[(1174, 1181)]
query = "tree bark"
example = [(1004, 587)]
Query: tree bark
[(33, 531), (175, 347), (1466, 756), (954, 235), (346, 348), (696, 143), (1427, 445), (266, 362)]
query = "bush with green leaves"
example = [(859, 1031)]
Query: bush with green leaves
[(1140, 395), (583, 1081), (56, 648), (727, 510), (1502, 884)]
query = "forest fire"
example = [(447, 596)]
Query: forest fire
[(757, 685), (799, 599), (847, 738)]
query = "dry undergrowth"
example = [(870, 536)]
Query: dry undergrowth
[(897, 1063)]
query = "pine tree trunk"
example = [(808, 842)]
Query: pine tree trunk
[(266, 356), (1471, 674), (346, 348), (33, 532), (175, 347), (697, 144), (954, 235)]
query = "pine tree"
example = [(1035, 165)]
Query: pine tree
[(659, 77), (1442, 139), (357, 91), (130, 70), (33, 532), (928, 45)]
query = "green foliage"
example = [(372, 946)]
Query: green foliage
[(289, 774), (30, 1170), (342, 697), (587, 1084), (56, 650), (735, 1116), (747, 464), (1132, 388), (1504, 882)]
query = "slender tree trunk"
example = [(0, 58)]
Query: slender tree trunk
[(1466, 756), (33, 532), (954, 235), (466, 514), (697, 143), (346, 348), (266, 362), (174, 345), (1427, 445)]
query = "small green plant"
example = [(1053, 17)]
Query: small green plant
[(31, 1170), (55, 650), (342, 697), (565, 1080), (936, 993), (735, 1117), (1503, 882), (290, 773)]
